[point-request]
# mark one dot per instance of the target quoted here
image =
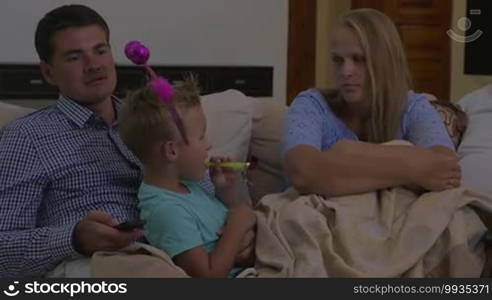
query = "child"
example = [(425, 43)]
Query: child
[(195, 229)]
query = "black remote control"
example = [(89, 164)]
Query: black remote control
[(129, 225)]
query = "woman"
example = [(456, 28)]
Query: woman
[(332, 141)]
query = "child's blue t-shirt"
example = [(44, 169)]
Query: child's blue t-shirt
[(176, 222), (311, 121)]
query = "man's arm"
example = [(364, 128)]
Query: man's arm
[(355, 167), (33, 252), (27, 248), (24, 249)]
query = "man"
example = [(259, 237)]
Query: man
[(65, 176)]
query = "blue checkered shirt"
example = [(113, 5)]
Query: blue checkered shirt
[(56, 165)]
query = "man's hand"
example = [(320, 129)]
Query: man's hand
[(95, 233)]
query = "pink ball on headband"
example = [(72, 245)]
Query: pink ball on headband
[(162, 88), (137, 52), (139, 55)]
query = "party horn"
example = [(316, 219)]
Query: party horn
[(238, 165)]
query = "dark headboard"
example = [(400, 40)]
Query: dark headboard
[(23, 81)]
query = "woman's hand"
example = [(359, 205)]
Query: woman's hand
[(435, 168)]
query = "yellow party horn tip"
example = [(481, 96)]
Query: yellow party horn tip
[(238, 165)]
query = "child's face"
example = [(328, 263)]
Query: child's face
[(193, 155)]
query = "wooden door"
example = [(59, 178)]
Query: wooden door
[(301, 61), (422, 25)]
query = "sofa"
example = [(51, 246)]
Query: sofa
[(238, 126), (247, 128)]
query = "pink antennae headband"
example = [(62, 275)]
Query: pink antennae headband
[(139, 55)]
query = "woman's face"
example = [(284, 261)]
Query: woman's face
[(350, 67)]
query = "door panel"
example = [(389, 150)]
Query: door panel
[(422, 25), (301, 64)]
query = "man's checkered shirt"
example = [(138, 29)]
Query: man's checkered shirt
[(56, 165)]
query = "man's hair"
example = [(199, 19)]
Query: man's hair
[(144, 119), (60, 19)]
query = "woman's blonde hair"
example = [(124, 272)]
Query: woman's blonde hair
[(389, 77), (144, 120)]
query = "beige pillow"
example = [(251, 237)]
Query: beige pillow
[(229, 115), (9, 112), (265, 146)]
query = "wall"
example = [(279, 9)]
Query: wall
[(462, 84), (178, 32)]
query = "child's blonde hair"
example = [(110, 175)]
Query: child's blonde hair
[(144, 119)]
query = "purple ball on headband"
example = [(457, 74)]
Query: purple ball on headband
[(163, 89), (137, 52)]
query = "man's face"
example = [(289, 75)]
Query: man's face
[(82, 65)]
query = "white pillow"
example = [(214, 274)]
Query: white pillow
[(10, 112), (475, 150), (229, 116)]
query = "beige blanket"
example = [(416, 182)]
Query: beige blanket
[(136, 261), (391, 233)]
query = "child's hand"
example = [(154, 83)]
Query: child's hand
[(224, 180), (222, 177), (246, 255), (243, 216)]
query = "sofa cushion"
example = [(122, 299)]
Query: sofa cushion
[(9, 112), (455, 120), (265, 147)]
